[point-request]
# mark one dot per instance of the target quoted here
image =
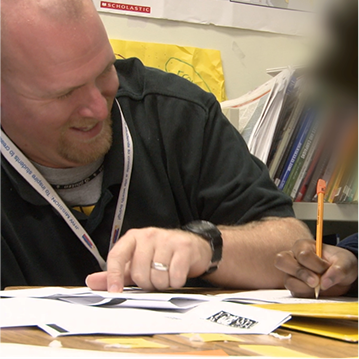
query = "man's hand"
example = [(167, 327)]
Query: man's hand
[(304, 270), (131, 260)]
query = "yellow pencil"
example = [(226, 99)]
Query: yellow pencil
[(321, 185)]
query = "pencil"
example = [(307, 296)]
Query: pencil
[(319, 237)]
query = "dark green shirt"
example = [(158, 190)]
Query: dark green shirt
[(189, 163)]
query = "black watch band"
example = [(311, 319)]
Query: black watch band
[(209, 232)]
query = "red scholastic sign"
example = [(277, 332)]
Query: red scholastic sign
[(125, 7)]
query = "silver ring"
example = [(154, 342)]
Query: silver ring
[(159, 266)]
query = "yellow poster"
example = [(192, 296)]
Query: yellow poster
[(200, 66)]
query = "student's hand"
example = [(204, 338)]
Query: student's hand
[(131, 260), (304, 269)]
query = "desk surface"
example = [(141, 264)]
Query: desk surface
[(304, 343), (307, 344)]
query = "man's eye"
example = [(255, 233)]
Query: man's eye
[(66, 95), (108, 70)]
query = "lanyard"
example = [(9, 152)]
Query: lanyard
[(31, 174)]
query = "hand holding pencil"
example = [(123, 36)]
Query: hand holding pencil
[(311, 267)]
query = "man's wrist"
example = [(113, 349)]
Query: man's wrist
[(210, 233)]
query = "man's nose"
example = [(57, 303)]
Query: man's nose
[(95, 104)]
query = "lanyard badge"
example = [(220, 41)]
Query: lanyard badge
[(31, 174)]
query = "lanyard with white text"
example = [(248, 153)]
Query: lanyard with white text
[(30, 173)]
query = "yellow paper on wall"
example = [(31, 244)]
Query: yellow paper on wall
[(200, 66), (274, 351)]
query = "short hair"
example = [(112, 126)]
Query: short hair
[(71, 9), (56, 10)]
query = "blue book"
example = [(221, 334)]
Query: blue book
[(298, 143)]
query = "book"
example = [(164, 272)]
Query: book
[(288, 136), (349, 160), (309, 175), (307, 160), (305, 154), (303, 131), (318, 172), (290, 100)]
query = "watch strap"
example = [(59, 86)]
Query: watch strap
[(209, 232)]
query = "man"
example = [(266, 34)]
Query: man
[(157, 158)]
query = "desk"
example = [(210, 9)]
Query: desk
[(305, 343)]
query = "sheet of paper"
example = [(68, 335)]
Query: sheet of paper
[(346, 330), (256, 113), (59, 318), (129, 298), (30, 311), (326, 310), (201, 66), (275, 351), (54, 292), (277, 296), (230, 318)]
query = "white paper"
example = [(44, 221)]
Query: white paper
[(281, 296), (303, 5), (129, 298), (255, 114), (60, 318), (230, 318), (217, 12), (123, 321)]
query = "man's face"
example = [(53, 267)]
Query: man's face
[(57, 94)]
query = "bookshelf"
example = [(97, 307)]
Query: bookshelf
[(307, 211)]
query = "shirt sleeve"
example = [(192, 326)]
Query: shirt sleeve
[(209, 159), (234, 183), (350, 243)]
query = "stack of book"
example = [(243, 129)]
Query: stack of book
[(315, 136)]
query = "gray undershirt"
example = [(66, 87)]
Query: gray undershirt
[(85, 195)]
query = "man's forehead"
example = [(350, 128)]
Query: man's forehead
[(50, 81), (32, 31), (76, 51)]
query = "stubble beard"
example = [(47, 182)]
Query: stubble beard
[(89, 151)]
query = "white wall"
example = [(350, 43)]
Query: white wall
[(245, 54)]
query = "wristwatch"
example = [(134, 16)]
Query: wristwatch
[(209, 232)]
